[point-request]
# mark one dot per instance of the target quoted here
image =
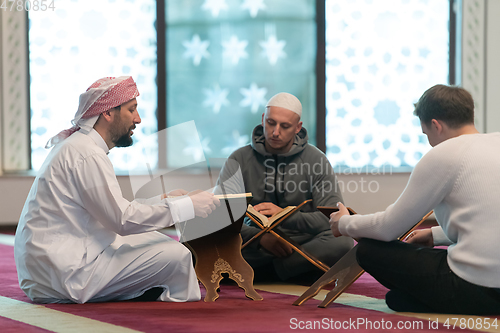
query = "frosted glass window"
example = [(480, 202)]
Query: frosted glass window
[(380, 57), (78, 43), (226, 58)]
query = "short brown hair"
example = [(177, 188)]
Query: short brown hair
[(451, 104)]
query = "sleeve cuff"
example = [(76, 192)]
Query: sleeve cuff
[(343, 222), (439, 237), (181, 209)]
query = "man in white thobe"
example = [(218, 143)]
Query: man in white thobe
[(78, 240)]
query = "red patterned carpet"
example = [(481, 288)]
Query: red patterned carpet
[(361, 309)]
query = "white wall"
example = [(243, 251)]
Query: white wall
[(364, 193)]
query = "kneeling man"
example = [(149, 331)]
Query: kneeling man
[(78, 240), (458, 179)]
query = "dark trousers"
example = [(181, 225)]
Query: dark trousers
[(420, 280), (323, 246)]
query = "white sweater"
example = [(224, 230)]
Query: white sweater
[(460, 180)]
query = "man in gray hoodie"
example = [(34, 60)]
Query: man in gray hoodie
[(281, 169)]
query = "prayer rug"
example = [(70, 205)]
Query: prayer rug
[(360, 309)]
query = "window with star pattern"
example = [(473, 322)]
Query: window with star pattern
[(78, 43), (226, 58), (380, 57)]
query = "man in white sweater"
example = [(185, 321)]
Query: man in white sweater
[(458, 179)]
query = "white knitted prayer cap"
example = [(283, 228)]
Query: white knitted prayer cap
[(286, 101)]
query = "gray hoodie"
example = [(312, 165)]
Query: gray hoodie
[(286, 180)]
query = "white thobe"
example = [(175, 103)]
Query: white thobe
[(78, 240)]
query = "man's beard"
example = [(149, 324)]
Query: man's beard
[(124, 141)]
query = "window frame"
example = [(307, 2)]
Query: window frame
[(15, 129)]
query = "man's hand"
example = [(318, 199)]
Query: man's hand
[(275, 246), (174, 193), (267, 208), (203, 202), (421, 237), (335, 217)]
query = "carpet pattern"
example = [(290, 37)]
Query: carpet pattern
[(360, 309)]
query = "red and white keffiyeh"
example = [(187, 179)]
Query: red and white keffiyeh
[(101, 96)]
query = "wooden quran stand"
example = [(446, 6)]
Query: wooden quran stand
[(344, 272), (284, 238), (220, 252)]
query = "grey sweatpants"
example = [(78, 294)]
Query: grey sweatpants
[(324, 246)]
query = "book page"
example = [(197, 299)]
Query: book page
[(278, 215), (267, 221), (261, 217)]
